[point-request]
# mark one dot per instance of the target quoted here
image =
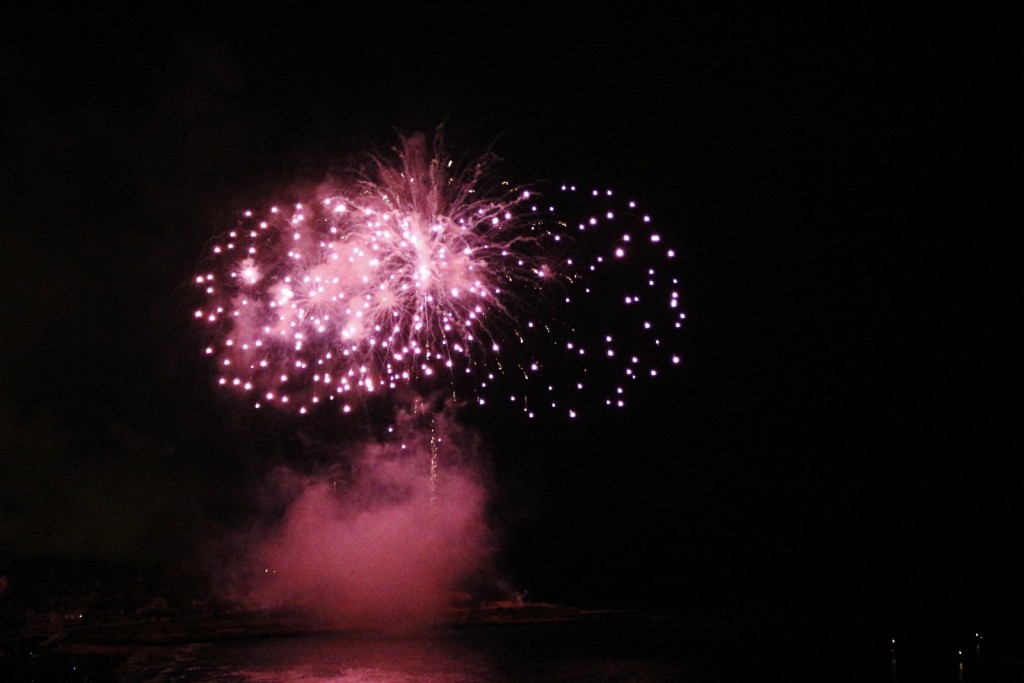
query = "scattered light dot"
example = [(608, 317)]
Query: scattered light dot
[(376, 296)]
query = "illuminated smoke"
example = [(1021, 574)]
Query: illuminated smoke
[(383, 545), (423, 277)]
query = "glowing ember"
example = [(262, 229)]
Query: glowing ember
[(426, 276)]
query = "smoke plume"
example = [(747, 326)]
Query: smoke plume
[(386, 541)]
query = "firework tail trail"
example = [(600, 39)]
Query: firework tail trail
[(427, 284), (379, 542)]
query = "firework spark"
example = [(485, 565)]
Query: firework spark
[(422, 276)]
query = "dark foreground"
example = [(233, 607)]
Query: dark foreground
[(542, 643), (522, 643)]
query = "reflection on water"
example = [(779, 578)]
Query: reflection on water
[(539, 652), (637, 650)]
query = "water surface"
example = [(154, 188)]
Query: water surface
[(640, 651)]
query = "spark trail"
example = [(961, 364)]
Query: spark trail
[(426, 275)]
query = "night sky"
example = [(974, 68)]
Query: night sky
[(842, 436)]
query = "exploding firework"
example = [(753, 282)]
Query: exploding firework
[(427, 275)]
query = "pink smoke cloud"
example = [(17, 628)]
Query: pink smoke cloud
[(385, 545)]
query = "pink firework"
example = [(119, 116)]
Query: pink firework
[(424, 276)]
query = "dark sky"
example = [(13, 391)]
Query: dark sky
[(845, 429)]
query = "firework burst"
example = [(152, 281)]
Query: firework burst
[(425, 275)]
